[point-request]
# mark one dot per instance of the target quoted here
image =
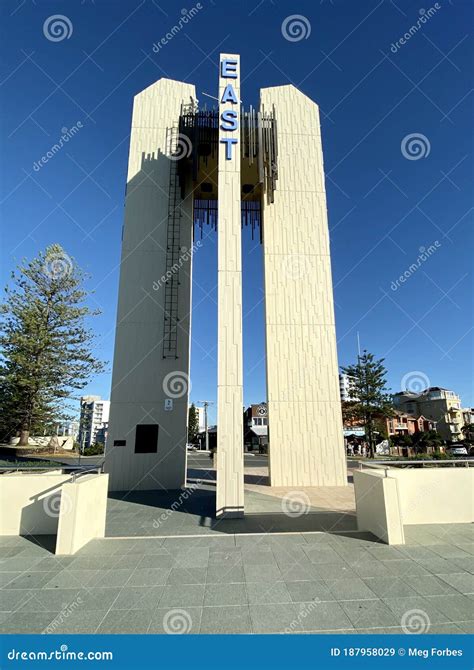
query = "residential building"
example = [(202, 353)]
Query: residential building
[(346, 388), (94, 416), (256, 428), (406, 424), (435, 404)]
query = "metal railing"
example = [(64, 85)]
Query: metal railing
[(75, 470), (386, 465)]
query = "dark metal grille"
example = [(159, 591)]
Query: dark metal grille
[(205, 214)]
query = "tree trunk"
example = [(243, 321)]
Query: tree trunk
[(24, 435)]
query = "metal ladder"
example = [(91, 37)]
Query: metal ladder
[(171, 320)]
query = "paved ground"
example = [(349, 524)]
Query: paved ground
[(295, 583)]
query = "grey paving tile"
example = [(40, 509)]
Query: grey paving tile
[(8, 552), (275, 618), (50, 600), (182, 595), (225, 594), (323, 555), (462, 582), (148, 577), (225, 558), (228, 574), (187, 576), (350, 589), (7, 577), (33, 622), (450, 551), (268, 592), (258, 557), (374, 568), (19, 563), (14, 599), (53, 563), (226, 620), (76, 622), (430, 585), (29, 580), (198, 557), (367, 613), (390, 587), (438, 566), (262, 573), (318, 616), (98, 598), (428, 612), (466, 627), (176, 621), (456, 608), (385, 553), (416, 552), (89, 563), (138, 597), (111, 577), (165, 560), (405, 567), (298, 572), (69, 580), (301, 592), (330, 571), (126, 621), (296, 556)]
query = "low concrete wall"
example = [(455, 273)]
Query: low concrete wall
[(82, 514), (412, 496), (30, 503), (435, 495), (377, 506)]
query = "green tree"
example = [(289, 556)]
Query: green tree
[(368, 386), (468, 432), (46, 346), (424, 440), (193, 424)]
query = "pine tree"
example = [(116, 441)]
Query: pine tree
[(193, 424), (368, 388), (46, 347)]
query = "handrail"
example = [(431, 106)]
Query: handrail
[(385, 465), (75, 470)]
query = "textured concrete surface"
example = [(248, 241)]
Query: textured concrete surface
[(266, 583)]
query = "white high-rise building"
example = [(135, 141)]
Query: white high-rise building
[(94, 416)]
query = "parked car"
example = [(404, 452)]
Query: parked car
[(456, 450)]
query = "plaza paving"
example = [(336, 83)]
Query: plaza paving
[(231, 582)]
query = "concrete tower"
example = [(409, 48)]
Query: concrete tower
[(225, 167)]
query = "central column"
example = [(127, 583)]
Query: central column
[(230, 459)]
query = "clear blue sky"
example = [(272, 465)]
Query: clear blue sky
[(383, 207)]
